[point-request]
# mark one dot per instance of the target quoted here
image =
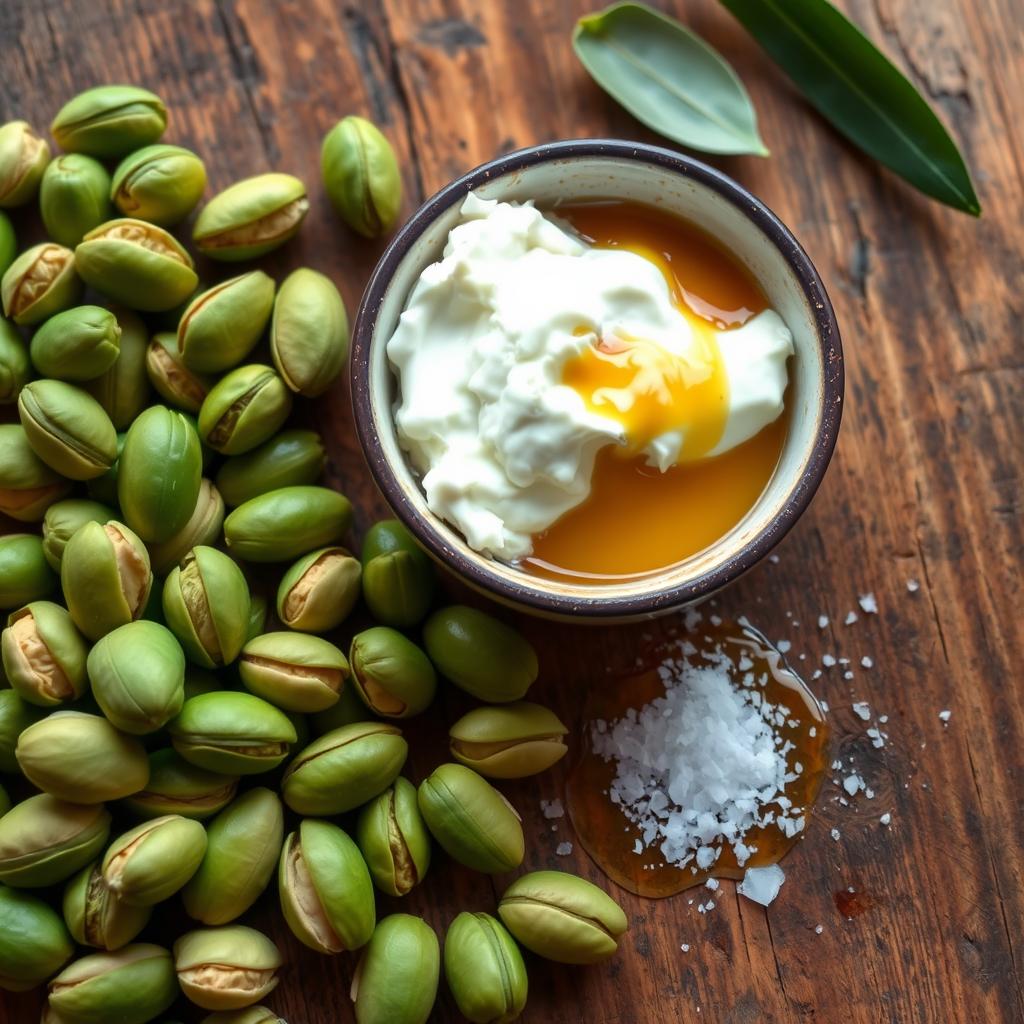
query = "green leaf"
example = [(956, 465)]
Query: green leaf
[(857, 88), (669, 78)]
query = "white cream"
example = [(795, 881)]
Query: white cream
[(503, 446)]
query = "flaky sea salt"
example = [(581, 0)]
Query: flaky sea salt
[(862, 710), (552, 808), (944, 716), (868, 603), (563, 849), (851, 618), (867, 661), (822, 621), (913, 586), (886, 818), (762, 885), (828, 660)]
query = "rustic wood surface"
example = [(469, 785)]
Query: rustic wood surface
[(925, 485)]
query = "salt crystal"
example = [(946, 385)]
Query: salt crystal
[(711, 883), (823, 703), (835, 834), (822, 621), (774, 559), (685, 947), (853, 784), (866, 662), (828, 660), (552, 808), (862, 710), (868, 603), (563, 849), (886, 818), (638, 846), (913, 586), (945, 715), (847, 675), (762, 885), (784, 646), (817, 674), (818, 929), (851, 618)]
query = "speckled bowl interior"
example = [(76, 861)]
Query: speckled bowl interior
[(596, 169)]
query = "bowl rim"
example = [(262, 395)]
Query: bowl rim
[(532, 595)]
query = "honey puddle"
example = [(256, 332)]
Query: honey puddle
[(609, 837)]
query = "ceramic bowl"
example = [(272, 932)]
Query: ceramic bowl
[(682, 186)]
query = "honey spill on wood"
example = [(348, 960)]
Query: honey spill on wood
[(603, 829)]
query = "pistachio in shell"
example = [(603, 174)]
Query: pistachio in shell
[(243, 409), (23, 160), (202, 528), (28, 486), (63, 518), (158, 183), (123, 390), (226, 968), (34, 942), (96, 916), (393, 839), (289, 459), (319, 591), (73, 197), (293, 671), (392, 674), (173, 380), (108, 121), (177, 787), (484, 969), (24, 574), (508, 741), (42, 281), (76, 344)]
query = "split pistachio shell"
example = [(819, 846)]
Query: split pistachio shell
[(123, 390), (8, 243), (396, 979), (106, 577), (159, 183), (206, 604), (562, 917), (484, 969), (344, 768), (151, 862), (287, 522), (481, 655), (40, 282), (510, 741), (23, 159), (251, 217), (44, 655), (202, 528), (319, 591), (361, 176), (137, 264), (63, 519), (73, 197), (137, 673), (221, 325), (293, 671), (250, 1015), (244, 409), (325, 889), (172, 379), (96, 916), (24, 574), (15, 368), (78, 344), (393, 839), (44, 840), (109, 120), (226, 968), (309, 332), (394, 677), (34, 943), (28, 486), (289, 459), (177, 787), (67, 429), (16, 715), (471, 819), (131, 986), (399, 587), (233, 733), (243, 845)]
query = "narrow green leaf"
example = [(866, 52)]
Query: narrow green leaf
[(853, 85), (669, 78)]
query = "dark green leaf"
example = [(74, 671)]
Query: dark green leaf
[(854, 86), (669, 78)]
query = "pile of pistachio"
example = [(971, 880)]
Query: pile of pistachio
[(144, 686)]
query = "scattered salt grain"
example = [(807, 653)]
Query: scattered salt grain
[(822, 622), (685, 947), (818, 929), (638, 847), (886, 818), (835, 834), (847, 674), (913, 586), (853, 784), (784, 646), (828, 660), (774, 559), (944, 716), (868, 603), (851, 618), (563, 849), (867, 662), (862, 710), (711, 883), (762, 885), (552, 808)]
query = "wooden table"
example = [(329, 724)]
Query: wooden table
[(925, 485)]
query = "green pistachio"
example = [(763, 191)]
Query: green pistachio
[(251, 217), (23, 159), (173, 380), (226, 968), (233, 733), (24, 574), (396, 979), (325, 888), (243, 844), (347, 710), (250, 1015), (244, 409), (471, 819), (221, 326), (44, 840), (206, 604), (109, 120), (73, 197), (15, 368), (63, 518), (562, 917), (510, 741), (96, 915), (40, 282), (28, 486), (399, 587), (393, 839), (319, 591), (151, 862), (479, 654), (177, 787), (16, 715), (289, 459), (202, 528), (309, 332), (44, 655), (123, 390), (34, 944), (8, 243), (287, 522), (257, 623), (361, 176), (106, 577), (394, 677), (484, 969), (160, 183), (78, 344), (130, 986), (293, 671), (137, 673), (344, 768)]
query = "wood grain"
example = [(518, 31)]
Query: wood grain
[(925, 485)]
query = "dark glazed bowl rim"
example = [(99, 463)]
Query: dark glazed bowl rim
[(532, 595)]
